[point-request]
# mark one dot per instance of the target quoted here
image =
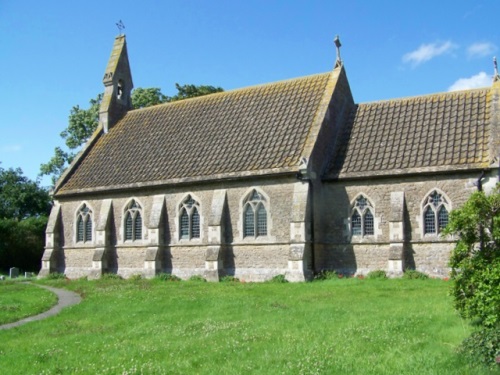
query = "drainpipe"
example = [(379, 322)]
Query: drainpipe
[(301, 178), (479, 184)]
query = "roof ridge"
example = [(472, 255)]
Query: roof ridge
[(232, 91), (427, 96)]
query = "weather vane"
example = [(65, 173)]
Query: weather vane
[(338, 62), (120, 26)]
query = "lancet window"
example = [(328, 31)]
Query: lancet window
[(362, 220), (133, 221)]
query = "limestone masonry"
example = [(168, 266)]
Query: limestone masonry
[(290, 178)]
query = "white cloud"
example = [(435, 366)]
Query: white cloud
[(479, 80), (11, 148), (481, 49), (427, 52)]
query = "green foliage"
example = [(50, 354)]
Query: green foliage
[(167, 277), (24, 207), (475, 261), (278, 279), (414, 274), (142, 98), (136, 277), (192, 91), (111, 276), (20, 197), (198, 278), (377, 274), (229, 279), (56, 276), (326, 275), (82, 123), (483, 346)]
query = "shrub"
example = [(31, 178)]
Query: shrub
[(483, 346), (326, 275), (136, 277), (111, 276), (167, 277), (229, 279), (197, 278), (413, 274), (475, 261), (377, 274), (278, 279), (55, 276)]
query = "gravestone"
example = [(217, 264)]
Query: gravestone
[(2, 277), (14, 272), (27, 275)]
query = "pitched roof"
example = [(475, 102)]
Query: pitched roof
[(253, 129), (439, 131)]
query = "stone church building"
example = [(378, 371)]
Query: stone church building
[(289, 177)]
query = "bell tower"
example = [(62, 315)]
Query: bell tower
[(117, 86)]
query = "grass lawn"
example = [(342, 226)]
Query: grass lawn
[(19, 300), (346, 326)]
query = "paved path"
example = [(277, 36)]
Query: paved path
[(66, 298)]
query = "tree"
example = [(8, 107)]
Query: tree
[(24, 209), (475, 271), (142, 98), (83, 122), (192, 91)]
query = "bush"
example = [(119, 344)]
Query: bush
[(229, 279), (278, 279), (475, 261), (413, 274), (55, 276), (111, 276), (197, 278), (483, 346), (377, 274), (167, 277), (326, 275), (136, 277)]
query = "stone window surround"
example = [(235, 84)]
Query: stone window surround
[(125, 208), (424, 204), (75, 224), (372, 208), (266, 202), (179, 207)]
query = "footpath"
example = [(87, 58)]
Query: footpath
[(65, 299)]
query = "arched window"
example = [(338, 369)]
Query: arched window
[(255, 215), (362, 221), (435, 213), (133, 221), (189, 219), (84, 224)]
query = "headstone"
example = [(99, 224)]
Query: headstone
[(2, 277), (27, 275), (14, 272)]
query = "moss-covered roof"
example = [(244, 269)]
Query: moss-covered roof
[(398, 136), (249, 130)]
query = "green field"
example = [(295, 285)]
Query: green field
[(347, 326), (19, 300)]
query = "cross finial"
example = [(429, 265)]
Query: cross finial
[(120, 26), (496, 76), (338, 62)]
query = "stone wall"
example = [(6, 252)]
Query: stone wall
[(335, 248), (249, 258)]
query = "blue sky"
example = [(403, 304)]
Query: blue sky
[(53, 53)]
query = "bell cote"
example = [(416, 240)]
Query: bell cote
[(117, 86)]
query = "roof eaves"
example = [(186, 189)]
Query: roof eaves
[(274, 172)]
